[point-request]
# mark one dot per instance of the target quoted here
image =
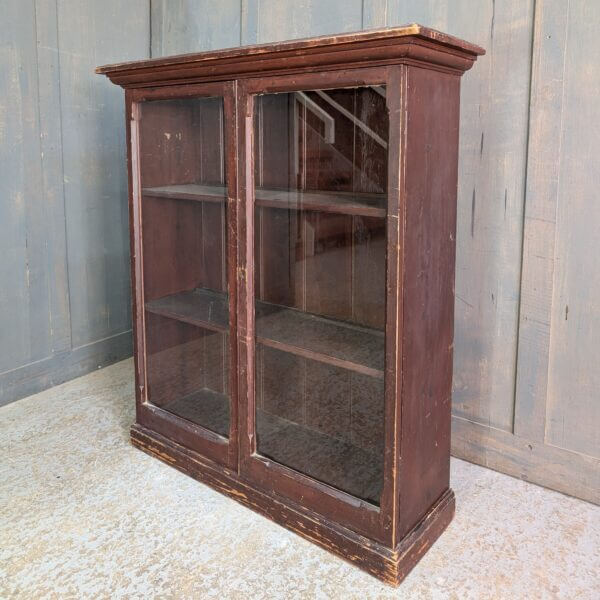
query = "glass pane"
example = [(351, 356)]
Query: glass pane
[(320, 249), (184, 213)]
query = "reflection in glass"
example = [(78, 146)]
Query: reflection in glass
[(182, 158), (320, 214)]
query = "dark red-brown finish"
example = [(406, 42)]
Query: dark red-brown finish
[(332, 297), (227, 286)]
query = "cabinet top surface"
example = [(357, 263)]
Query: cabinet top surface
[(386, 44)]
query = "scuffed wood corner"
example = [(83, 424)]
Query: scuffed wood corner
[(390, 566)]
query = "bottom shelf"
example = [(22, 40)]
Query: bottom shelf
[(337, 463), (205, 407)]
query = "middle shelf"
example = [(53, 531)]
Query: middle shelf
[(348, 203), (331, 341)]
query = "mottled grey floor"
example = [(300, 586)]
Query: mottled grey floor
[(84, 515)]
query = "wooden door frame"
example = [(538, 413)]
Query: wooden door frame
[(186, 433), (362, 517)]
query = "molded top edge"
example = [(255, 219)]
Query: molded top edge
[(323, 42)]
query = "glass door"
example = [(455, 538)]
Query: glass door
[(320, 208), (186, 257)]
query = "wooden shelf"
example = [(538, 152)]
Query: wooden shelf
[(330, 341), (189, 191), (318, 338), (336, 462), (206, 408), (201, 307), (347, 203)]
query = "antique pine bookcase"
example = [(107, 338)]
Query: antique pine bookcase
[(293, 216)]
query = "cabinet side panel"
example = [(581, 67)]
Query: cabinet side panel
[(430, 186)]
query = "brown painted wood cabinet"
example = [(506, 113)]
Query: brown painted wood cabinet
[(293, 213)]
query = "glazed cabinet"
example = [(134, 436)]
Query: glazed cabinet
[(293, 215)]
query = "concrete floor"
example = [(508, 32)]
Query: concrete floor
[(84, 515)]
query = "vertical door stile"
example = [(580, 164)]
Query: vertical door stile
[(396, 106), (137, 288), (231, 217), (245, 277)]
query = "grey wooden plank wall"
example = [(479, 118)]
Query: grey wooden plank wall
[(64, 274), (527, 350)]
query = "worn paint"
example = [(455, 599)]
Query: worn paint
[(573, 402), (180, 26), (496, 161), (24, 331), (539, 233), (63, 215), (554, 370)]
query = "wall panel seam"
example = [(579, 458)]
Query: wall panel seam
[(558, 156), (62, 174), (525, 194), (540, 228), (149, 28)]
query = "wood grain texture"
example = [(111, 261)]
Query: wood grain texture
[(402, 491), (306, 18), (494, 111), (391, 566), (249, 22), (376, 47), (180, 26), (368, 205), (331, 341), (52, 172), (93, 160), (493, 154), (492, 166), (428, 209), (357, 348), (25, 330), (64, 298), (201, 307), (569, 472), (573, 403), (375, 13), (539, 232), (493, 159)]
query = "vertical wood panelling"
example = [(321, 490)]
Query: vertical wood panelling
[(537, 279), (63, 312), (53, 196), (94, 159), (375, 13), (432, 13), (249, 22), (573, 404), (493, 148), (180, 26), (24, 299), (289, 19)]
